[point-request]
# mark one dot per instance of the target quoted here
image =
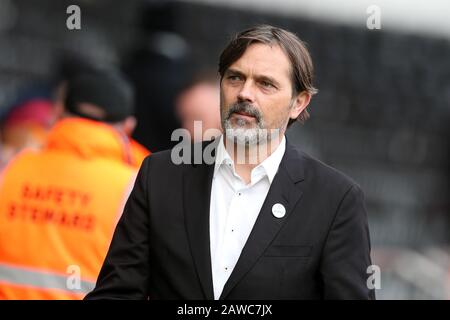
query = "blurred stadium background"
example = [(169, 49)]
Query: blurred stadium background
[(381, 116)]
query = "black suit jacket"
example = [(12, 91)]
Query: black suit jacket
[(319, 250)]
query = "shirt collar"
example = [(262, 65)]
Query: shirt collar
[(222, 156), (269, 165), (272, 163)]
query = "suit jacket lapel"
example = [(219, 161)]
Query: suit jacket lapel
[(285, 189), (197, 181)]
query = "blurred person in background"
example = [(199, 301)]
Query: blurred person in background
[(26, 125), (200, 101), (69, 67), (59, 206), (36, 107)]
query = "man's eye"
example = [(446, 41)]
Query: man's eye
[(234, 78), (267, 84)]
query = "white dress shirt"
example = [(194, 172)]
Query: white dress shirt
[(234, 208)]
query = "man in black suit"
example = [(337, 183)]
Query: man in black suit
[(278, 225)]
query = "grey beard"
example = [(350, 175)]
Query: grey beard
[(241, 135), (245, 136)]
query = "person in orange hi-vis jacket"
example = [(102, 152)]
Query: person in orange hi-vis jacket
[(59, 205)]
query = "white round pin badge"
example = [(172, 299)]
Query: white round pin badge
[(278, 210)]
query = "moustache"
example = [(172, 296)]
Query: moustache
[(245, 108)]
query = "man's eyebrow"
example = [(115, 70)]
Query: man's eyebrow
[(260, 77), (234, 71), (268, 79)]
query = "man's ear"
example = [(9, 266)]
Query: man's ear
[(129, 124), (300, 103)]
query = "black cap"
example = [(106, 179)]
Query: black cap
[(108, 91)]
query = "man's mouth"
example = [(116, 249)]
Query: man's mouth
[(244, 114)]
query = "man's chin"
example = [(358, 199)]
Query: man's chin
[(243, 136), (244, 128)]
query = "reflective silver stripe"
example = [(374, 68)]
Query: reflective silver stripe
[(41, 279)]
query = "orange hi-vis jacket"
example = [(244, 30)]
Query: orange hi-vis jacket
[(59, 207)]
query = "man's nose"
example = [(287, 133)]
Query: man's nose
[(247, 92)]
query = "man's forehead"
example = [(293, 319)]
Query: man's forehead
[(262, 58)]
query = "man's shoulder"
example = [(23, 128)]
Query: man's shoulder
[(317, 171), (159, 156), (183, 156), (157, 161)]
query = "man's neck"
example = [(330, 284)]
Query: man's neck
[(246, 158)]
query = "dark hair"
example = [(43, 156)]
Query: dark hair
[(109, 91), (301, 62)]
